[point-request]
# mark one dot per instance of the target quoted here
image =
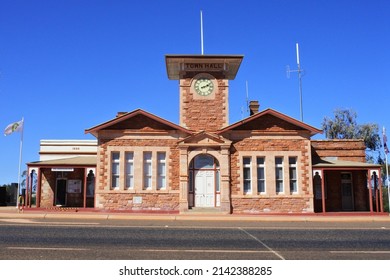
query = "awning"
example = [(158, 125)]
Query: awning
[(72, 161)]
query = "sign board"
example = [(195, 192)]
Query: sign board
[(74, 186), (205, 66), (63, 169)]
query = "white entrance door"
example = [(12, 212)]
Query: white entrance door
[(204, 188)]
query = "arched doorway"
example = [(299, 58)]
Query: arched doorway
[(204, 182)]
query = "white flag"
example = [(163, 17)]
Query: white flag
[(13, 127), (385, 140)]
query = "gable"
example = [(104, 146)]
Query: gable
[(137, 120), (271, 121)]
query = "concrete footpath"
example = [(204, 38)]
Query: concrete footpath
[(11, 212)]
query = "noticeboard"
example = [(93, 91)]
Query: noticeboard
[(74, 186)]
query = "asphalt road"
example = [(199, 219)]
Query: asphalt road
[(24, 239)]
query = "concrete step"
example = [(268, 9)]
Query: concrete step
[(205, 211)]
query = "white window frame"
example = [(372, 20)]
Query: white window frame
[(161, 171), (129, 172), (245, 179), (115, 165), (264, 179), (292, 180), (147, 171), (279, 181)]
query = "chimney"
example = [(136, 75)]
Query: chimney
[(253, 107), (119, 114)]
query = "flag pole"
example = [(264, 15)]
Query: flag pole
[(387, 179), (201, 32), (20, 163), (387, 166)]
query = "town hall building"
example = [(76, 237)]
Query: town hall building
[(266, 163)]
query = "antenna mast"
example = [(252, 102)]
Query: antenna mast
[(201, 32), (299, 71), (247, 96), (246, 101)]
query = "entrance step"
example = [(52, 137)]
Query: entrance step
[(205, 211)]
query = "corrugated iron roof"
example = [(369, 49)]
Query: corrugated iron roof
[(72, 161)]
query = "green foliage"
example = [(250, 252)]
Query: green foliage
[(369, 133), (342, 126), (345, 126)]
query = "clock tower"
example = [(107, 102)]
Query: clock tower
[(204, 88)]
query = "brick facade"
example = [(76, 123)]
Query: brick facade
[(208, 113), (268, 135), (348, 150), (270, 201), (47, 188), (138, 142)]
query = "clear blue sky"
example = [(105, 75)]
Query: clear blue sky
[(67, 65)]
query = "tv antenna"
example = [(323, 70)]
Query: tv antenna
[(247, 96), (246, 101), (299, 71)]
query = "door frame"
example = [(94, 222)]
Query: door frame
[(192, 170)]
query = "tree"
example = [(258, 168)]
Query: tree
[(345, 126), (369, 133)]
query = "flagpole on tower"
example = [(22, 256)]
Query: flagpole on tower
[(201, 32)]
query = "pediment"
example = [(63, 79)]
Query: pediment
[(205, 139), (271, 121), (137, 120)]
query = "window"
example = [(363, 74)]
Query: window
[(247, 175), (217, 178), (129, 170), (115, 170), (147, 170), (292, 165), (191, 181), (204, 162), (161, 170), (279, 174), (260, 175)]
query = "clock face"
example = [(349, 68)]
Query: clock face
[(204, 86)]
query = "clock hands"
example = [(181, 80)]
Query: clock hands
[(206, 85)]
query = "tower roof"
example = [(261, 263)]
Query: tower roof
[(182, 66)]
